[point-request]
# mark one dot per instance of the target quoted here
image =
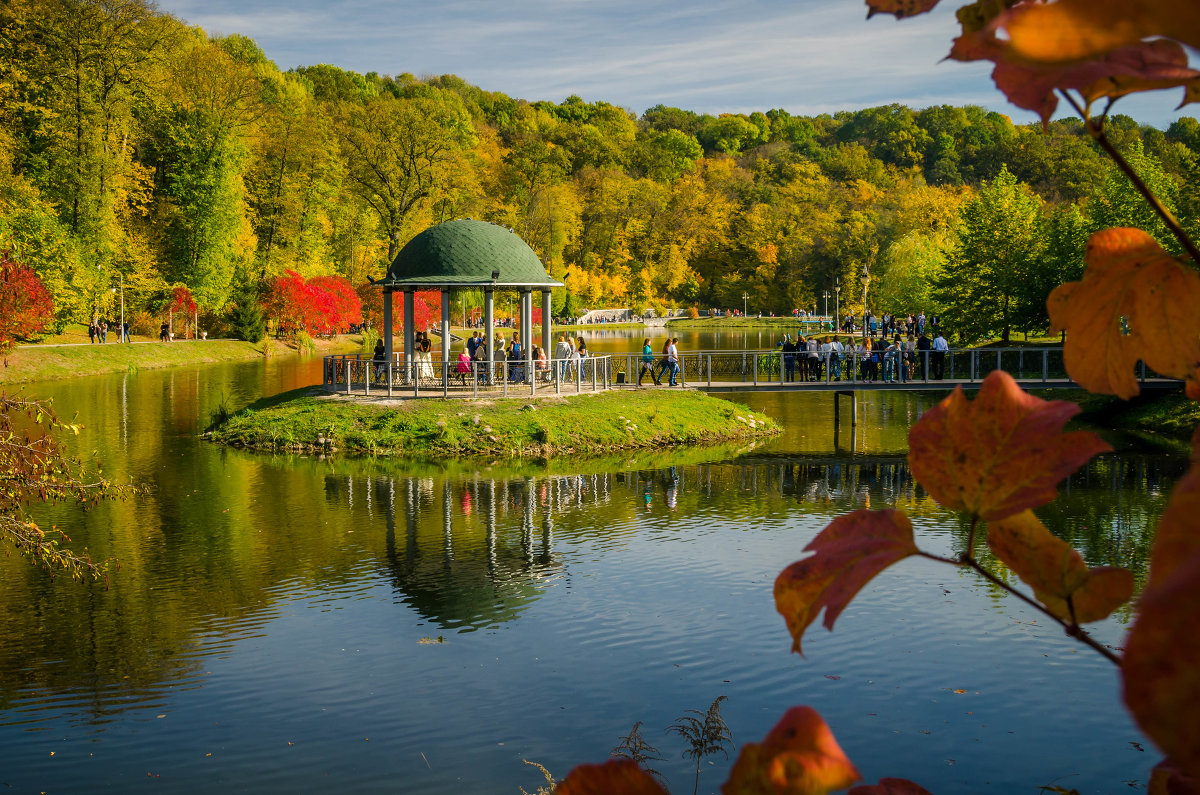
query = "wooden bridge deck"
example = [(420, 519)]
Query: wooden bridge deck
[(893, 386)]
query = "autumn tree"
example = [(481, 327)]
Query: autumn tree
[(25, 303)]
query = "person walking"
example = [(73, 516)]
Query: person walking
[(673, 360), (103, 331), (379, 357), (92, 332), (940, 349), (647, 363), (563, 353), (789, 359)]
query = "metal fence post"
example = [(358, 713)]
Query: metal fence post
[(367, 376), (389, 377), (683, 369), (1045, 364), (504, 372), (347, 376), (756, 369), (416, 377), (475, 378), (594, 368), (445, 379), (925, 354), (999, 351), (710, 372)]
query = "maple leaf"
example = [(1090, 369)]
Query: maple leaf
[(615, 775), (1176, 539), (1143, 66), (1056, 571), (1075, 30), (850, 551), (799, 755), (1160, 669), (900, 8), (890, 786), (999, 454), (1135, 302)]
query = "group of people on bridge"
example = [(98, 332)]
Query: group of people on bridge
[(880, 358)]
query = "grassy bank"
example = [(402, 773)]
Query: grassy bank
[(311, 420), (1168, 415), (50, 363)]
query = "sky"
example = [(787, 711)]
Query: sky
[(805, 56)]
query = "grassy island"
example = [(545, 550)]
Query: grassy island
[(589, 424)]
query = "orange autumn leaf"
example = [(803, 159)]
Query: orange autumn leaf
[(1106, 589), (1135, 302), (1160, 670), (799, 756), (1044, 562), (614, 776), (1000, 453), (850, 551), (890, 786), (1167, 779), (1056, 571), (1177, 538), (901, 8), (1076, 30)]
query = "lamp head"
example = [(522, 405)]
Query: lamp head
[(495, 275)]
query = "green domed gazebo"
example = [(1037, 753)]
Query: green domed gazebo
[(467, 253)]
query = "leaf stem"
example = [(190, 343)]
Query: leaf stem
[(1095, 128), (1071, 628)]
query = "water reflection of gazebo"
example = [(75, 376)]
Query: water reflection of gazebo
[(465, 254)]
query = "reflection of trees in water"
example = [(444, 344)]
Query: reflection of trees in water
[(471, 553)]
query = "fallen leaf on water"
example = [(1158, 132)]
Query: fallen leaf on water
[(960, 691)]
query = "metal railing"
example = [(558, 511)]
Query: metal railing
[(961, 364), (431, 376)]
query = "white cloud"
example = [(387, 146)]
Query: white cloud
[(806, 56)]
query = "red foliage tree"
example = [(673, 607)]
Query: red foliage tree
[(322, 305), (25, 303), (346, 308), (371, 299), (182, 301)]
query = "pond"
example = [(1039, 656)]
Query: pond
[(282, 624)]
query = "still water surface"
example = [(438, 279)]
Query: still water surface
[(270, 626)]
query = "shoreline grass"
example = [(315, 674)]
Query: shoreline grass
[(311, 420), (53, 363)]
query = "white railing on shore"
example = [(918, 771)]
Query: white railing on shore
[(431, 377)]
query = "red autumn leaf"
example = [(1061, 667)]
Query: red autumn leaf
[(1076, 30), (1177, 539), (901, 8), (1161, 666), (1167, 779), (890, 786), (1135, 302), (1000, 453), (849, 552), (1056, 572), (1145, 66), (798, 756), (614, 776)]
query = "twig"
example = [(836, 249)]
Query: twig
[(1095, 128)]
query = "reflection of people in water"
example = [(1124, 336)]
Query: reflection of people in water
[(648, 497), (466, 502), (672, 488)]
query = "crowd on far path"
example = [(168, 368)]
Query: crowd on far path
[(867, 358), (98, 331)]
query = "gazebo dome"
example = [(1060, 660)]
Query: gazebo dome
[(465, 253)]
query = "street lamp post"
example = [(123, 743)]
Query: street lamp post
[(837, 302), (865, 279), (826, 304), (745, 298)]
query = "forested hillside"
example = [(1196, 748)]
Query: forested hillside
[(135, 144)]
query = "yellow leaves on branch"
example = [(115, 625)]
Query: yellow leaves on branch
[(1056, 571), (1135, 302), (999, 454)]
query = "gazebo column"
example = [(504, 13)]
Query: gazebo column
[(489, 320), (527, 331), (387, 322), (408, 334), (445, 335), (546, 327)]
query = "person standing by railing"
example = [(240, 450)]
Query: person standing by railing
[(647, 363), (940, 349), (673, 360), (563, 353)]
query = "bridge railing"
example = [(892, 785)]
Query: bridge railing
[(431, 376), (960, 364)]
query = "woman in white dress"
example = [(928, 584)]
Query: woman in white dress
[(422, 356)]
